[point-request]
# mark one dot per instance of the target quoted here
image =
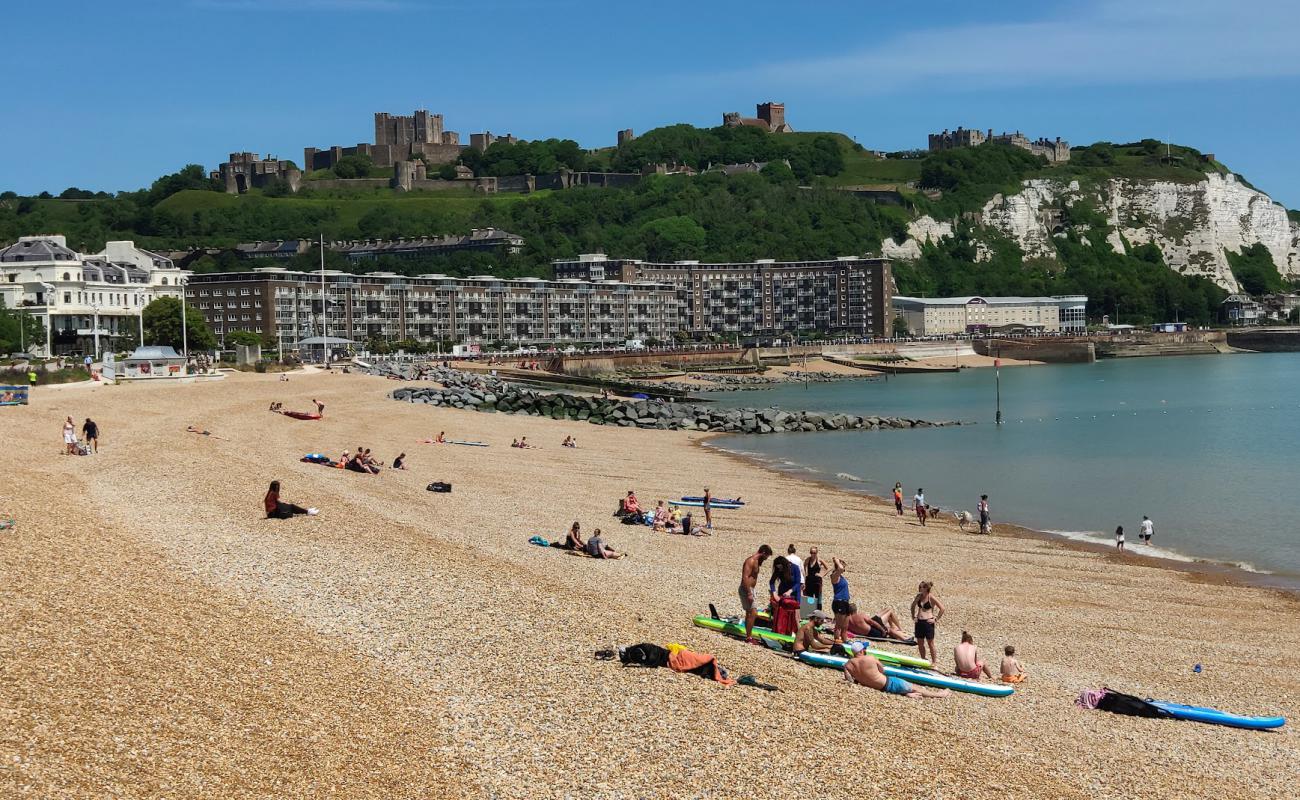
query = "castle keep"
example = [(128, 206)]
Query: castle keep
[(770, 116), (397, 138)]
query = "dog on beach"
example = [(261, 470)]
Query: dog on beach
[(963, 518)]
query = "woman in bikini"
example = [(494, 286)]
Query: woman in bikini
[(926, 613)]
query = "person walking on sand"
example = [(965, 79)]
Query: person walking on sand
[(986, 524), (749, 580), (69, 437), (91, 431), (918, 505), (1119, 538), (1147, 530), (898, 498), (864, 670), (966, 657), (926, 613)]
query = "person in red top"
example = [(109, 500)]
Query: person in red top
[(278, 509)]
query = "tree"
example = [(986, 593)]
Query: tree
[(900, 326), (162, 325), (356, 166), (447, 172), (191, 176), (245, 338), (19, 331)]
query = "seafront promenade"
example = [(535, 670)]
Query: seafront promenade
[(163, 639)]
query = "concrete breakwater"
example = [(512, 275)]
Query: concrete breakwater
[(647, 414)]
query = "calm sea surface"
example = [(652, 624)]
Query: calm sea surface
[(1207, 446)]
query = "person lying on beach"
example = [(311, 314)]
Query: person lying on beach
[(596, 547), (884, 625), (810, 636), (569, 441), (278, 509), (966, 656), (1012, 672), (864, 670), (400, 461)]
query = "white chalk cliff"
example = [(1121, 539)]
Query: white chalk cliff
[(1193, 224)]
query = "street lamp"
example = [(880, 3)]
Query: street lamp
[(94, 307), (49, 313)]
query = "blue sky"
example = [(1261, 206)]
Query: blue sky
[(111, 95)]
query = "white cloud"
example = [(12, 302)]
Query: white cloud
[(1104, 42)]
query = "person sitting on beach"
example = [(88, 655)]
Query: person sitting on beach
[(840, 605), (284, 377), (674, 520), (569, 441), (358, 462), (441, 438), (865, 670), (661, 518), (810, 636), (573, 539), (276, 406), (596, 547), (630, 506), (967, 658), (1012, 672), (400, 461), (884, 625), (514, 442), (523, 443), (278, 509)]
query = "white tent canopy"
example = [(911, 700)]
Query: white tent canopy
[(317, 341)]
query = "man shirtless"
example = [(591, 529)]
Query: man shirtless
[(967, 658), (810, 638), (748, 580), (865, 670), (884, 625)]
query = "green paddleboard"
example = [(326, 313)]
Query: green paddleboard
[(738, 629)]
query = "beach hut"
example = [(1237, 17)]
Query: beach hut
[(150, 363), (323, 346)]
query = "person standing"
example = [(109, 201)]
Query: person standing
[(69, 437), (1119, 537), (708, 508), (986, 524), (320, 407), (926, 613), (898, 498), (88, 361), (91, 431), (841, 606), (918, 505), (748, 580), (812, 577), (1147, 530), (792, 555)]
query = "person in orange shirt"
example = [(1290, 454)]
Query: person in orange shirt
[(898, 498)]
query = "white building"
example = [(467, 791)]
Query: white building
[(84, 301), (943, 316)]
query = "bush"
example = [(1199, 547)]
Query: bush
[(260, 365)]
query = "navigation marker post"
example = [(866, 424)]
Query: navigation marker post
[(997, 375)]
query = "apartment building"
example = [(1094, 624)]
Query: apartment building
[(84, 301), (943, 316), (848, 295), (286, 307)]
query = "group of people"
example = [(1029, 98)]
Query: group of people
[(522, 443), (593, 545), (925, 512), (363, 461), (664, 519), (1146, 531), (73, 446), (795, 594)]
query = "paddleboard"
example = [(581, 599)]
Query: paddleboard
[(700, 503), (921, 677), (716, 500), (1214, 716), (732, 628), (467, 444), (300, 415)]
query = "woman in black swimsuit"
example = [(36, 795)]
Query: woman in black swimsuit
[(812, 579), (926, 612)]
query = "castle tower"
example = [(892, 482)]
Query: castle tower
[(624, 136), (774, 115)]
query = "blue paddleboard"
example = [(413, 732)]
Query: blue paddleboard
[(1214, 716)]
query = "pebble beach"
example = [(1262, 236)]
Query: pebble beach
[(159, 638)]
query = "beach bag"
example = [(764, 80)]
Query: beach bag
[(439, 486), (1120, 703), (644, 655), (786, 619), (539, 541)]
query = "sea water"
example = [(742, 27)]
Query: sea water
[(1207, 446)]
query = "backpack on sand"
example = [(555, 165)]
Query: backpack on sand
[(1120, 703), (439, 486)]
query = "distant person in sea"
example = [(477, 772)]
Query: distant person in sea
[(1119, 537), (1147, 530), (966, 657), (1012, 672), (69, 437), (986, 522), (926, 613), (748, 582), (918, 505), (841, 606), (400, 461), (91, 431), (864, 670), (596, 547), (810, 636), (898, 498), (278, 509), (812, 576)]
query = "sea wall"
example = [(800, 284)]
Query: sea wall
[(1265, 340), (606, 363), (1073, 351)]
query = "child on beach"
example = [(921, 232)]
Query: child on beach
[(1119, 538), (898, 498), (1012, 672)]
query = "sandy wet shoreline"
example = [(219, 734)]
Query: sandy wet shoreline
[(442, 597)]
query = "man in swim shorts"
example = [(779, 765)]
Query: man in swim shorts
[(967, 658), (865, 670), (748, 580)]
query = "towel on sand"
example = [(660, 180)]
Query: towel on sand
[(703, 664)]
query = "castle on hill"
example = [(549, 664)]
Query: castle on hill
[(1056, 151)]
